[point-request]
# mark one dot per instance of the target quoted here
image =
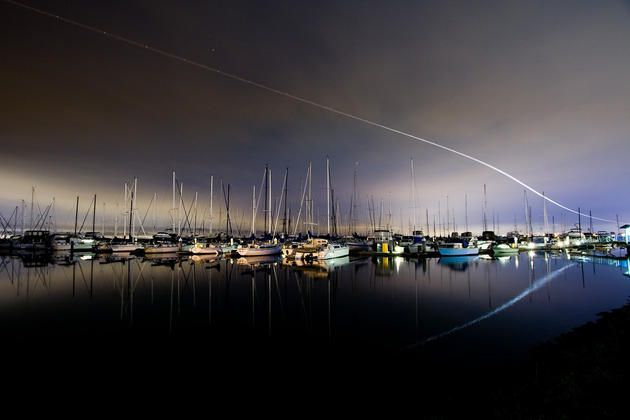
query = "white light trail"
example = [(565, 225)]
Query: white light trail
[(535, 286), (296, 98)]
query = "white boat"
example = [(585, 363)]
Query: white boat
[(161, 249), (452, 249), (125, 247), (333, 251), (204, 248), (504, 249), (258, 250), (574, 237), (81, 243), (60, 242)]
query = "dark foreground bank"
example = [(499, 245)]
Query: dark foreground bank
[(581, 374)]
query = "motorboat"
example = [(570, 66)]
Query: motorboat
[(60, 242), (332, 250), (504, 249)]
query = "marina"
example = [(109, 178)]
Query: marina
[(420, 206)]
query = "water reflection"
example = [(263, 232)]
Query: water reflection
[(381, 302), (459, 263)]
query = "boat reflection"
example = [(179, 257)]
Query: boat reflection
[(459, 263), (319, 268), (204, 258), (259, 260), (169, 259)]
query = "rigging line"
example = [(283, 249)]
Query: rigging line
[(294, 97)]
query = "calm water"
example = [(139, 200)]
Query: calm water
[(470, 310)]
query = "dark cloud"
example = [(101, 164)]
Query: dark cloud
[(537, 88)]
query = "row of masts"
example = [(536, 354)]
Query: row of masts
[(184, 218)]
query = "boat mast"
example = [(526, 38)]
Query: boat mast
[(354, 206), (440, 219), (125, 212), (390, 225), (334, 219), (286, 193), (155, 212), (526, 218), (413, 196), (76, 216), (24, 210), (310, 197), (485, 208), (380, 216), (180, 205), (211, 187), (133, 205), (269, 211), (466, 209), (195, 219), (15, 221), (327, 195), (94, 216), (228, 221), (130, 213), (448, 218), (103, 221), (173, 207), (266, 198), (545, 215), (254, 210), (32, 200)]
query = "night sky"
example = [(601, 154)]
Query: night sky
[(540, 89)]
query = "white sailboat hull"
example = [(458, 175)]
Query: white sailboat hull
[(168, 249), (255, 252), (125, 247)]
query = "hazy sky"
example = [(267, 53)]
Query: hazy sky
[(540, 89)]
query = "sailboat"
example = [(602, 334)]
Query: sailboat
[(255, 250), (131, 245)]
